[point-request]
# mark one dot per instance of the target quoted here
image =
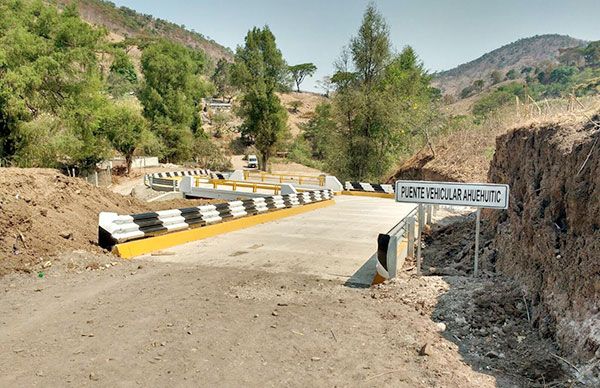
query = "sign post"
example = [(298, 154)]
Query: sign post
[(478, 195), (421, 221), (476, 263)]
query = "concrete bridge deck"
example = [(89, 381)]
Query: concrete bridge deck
[(333, 242)]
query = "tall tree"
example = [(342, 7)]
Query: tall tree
[(259, 71), (381, 100), (301, 71), (49, 66), (124, 127), (171, 95), (221, 78)]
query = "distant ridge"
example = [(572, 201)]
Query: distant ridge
[(524, 52), (130, 23)]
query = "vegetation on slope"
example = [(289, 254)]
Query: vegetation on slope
[(522, 53), (129, 23), (64, 93), (383, 103)]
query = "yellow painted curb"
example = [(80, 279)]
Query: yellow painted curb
[(134, 248), (368, 194)]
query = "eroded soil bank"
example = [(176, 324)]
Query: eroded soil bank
[(549, 239)]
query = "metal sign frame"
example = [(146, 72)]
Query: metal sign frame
[(424, 192), (453, 193)]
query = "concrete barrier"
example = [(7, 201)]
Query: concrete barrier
[(114, 229), (169, 180), (299, 181), (228, 189)]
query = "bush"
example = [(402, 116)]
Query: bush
[(498, 98), (208, 155)]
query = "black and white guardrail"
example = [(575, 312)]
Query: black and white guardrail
[(169, 181), (114, 228), (369, 187), (173, 174)]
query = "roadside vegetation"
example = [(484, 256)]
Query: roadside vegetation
[(72, 97)]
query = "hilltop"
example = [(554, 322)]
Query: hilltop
[(129, 23), (524, 52)]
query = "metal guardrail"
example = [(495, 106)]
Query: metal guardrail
[(405, 234), (285, 178), (162, 184), (276, 188)]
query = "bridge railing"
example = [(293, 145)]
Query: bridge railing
[(401, 242), (285, 178), (236, 185)]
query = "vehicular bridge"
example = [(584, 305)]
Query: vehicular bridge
[(331, 242)]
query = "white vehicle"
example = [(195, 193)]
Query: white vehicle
[(252, 161)]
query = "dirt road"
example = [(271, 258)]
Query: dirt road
[(216, 321), (191, 325)]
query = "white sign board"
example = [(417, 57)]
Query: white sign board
[(484, 195)]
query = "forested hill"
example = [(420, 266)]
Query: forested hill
[(525, 52), (129, 23)]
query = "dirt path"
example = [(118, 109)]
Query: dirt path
[(189, 325), (209, 318)]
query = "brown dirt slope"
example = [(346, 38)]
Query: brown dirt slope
[(549, 239), (127, 22), (305, 111), (45, 213)]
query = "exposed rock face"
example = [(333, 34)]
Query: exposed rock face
[(549, 239)]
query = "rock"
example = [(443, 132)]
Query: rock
[(67, 235), (315, 358), (493, 354), (94, 377), (441, 327), (44, 212), (275, 313), (424, 350), (460, 320)]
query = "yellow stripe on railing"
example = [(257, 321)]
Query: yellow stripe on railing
[(276, 188), (283, 178)]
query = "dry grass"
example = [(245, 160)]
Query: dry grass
[(465, 154)]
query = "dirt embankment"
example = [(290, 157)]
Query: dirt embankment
[(44, 213), (549, 239)]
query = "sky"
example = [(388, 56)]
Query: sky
[(444, 33)]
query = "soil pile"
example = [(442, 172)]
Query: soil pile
[(549, 239), (45, 213)]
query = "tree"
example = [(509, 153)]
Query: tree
[(171, 95), (381, 99), (221, 78), (300, 72), (122, 77), (51, 88), (496, 77), (592, 54), (326, 85), (295, 105), (124, 127), (259, 71), (512, 74), (320, 132)]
